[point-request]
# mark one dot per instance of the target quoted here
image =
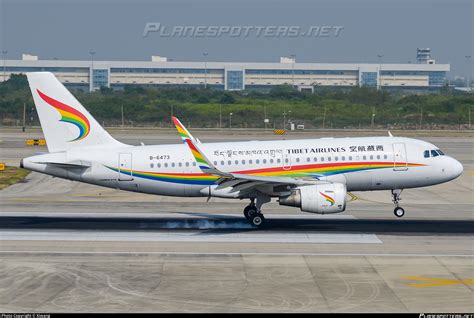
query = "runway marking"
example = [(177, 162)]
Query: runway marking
[(353, 196), (142, 253), (435, 282), (186, 236)]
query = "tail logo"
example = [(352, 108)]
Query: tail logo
[(69, 115), (328, 198)]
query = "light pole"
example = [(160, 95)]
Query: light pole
[(230, 120), (205, 69), (91, 79), (469, 66), (293, 59), (373, 118), (4, 53), (379, 81), (220, 116)]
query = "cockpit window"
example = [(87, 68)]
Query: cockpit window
[(426, 154), (434, 153), (440, 152)]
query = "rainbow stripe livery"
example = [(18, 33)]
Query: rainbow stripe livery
[(182, 178), (315, 171), (69, 115), (328, 198)]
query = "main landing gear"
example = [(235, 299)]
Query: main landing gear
[(253, 212), (398, 211)]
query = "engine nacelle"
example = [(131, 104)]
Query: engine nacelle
[(321, 198)]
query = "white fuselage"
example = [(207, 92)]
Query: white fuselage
[(362, 164)]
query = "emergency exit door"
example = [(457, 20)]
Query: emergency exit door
[(125, 167), (399, 157)]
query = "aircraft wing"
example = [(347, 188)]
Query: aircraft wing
[(243, 183)]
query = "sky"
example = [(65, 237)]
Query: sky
[(70, 29)]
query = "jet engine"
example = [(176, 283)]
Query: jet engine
[(320, 198)]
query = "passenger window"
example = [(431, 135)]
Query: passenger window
[(229, 162), (322, 159), (371, 157), (343, 158), (180, 164), (364, 157), (329, 158), (257, 161), (158, 165), (271, 160), (264, 161), (308, 159), (385, 156), (336, 158), (278, 160), (350, 158), (172, 164), (297, 159), (222, 163), (426, 154), (215, 163), (250, 161), (151, 165), (243, 162), (315, 159), (378, 156), (194, 163), (166, 165), (236, 162), (187, 164)]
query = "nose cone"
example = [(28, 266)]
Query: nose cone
[(455, 168)]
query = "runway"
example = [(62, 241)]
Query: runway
[(66, 246)]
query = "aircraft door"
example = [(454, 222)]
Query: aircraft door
[(399, 157), (125, 167), (286, 160)]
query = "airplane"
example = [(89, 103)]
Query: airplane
[(314, 175)]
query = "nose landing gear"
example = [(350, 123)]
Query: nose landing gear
[(398, 211)]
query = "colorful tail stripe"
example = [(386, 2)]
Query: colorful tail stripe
[(313, 170), (69, 115), (328, 198)]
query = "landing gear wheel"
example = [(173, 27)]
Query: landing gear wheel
[(257, 220), (399, 212), (249, 211)]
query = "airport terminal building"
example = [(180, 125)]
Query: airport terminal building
[(91, 75)]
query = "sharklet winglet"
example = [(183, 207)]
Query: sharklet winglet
[(203, 163)]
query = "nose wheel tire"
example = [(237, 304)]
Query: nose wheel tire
[(399, 212), (257, 220)]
